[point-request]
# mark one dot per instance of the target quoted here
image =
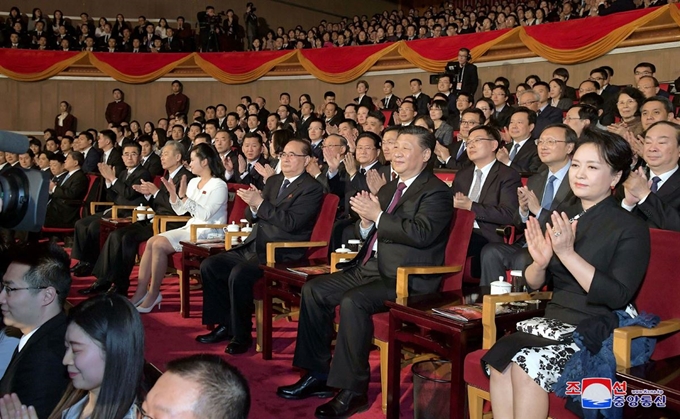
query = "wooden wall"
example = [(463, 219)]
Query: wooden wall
[(33, 106)]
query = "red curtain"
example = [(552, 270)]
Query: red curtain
[(446, 48), (137, 64)]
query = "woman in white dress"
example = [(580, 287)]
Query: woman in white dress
[(205, 198)]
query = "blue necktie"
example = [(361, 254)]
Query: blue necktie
[(284, 186), (460, 150), (513, 153), (546, 202), (655, 184)]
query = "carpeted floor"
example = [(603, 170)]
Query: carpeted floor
[(170, 336)]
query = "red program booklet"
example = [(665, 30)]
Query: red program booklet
[(462, 313)]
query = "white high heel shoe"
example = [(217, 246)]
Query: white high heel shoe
[(149, 309), (138, 303)]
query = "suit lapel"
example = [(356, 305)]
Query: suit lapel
[(562, 192), (670, 185), (412, 190), (491, 178)]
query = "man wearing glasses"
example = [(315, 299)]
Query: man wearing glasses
[(34, 289), (545, 191), (120, 192), (488, 188), (454, 156), (285, 210)]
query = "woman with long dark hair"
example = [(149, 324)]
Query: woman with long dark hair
[(160, 137), (205, 198)]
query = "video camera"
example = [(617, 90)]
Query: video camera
[(23, 192)]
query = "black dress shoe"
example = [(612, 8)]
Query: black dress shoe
[(219, 334), (76, 266), (306, 386), (85, 269), (344, 405), (237, 346), (95, 288), (113, 289)]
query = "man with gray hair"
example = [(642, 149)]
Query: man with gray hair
[(199, 387), (117, 257)]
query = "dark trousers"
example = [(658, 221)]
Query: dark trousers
[(500, 257), (117, 257), (86, 239), (343, 230), (360, 292), (228, 281), (477, 243)]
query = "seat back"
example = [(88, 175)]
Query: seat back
[(157, 181), (445, 175), (91, 180), (462, 224), (237, 209), (388, 115), (323, 227), (660, 290)]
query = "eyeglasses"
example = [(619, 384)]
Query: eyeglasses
[(130, 154), (470, 142), (627, 102), (291, 155), (10, 290), (464, 122), (528, 103), (140, 413), (550, 142), (643, 73)]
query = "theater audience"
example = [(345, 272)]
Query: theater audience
[(67, 191)]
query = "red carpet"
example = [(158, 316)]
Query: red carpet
[(170, 336)]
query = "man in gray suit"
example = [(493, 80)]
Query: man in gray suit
[(544, 193)]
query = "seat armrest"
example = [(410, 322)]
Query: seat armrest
[(194, 228), (95, 204), (508, 233), (623, 337), (165, 219), (271, 248), (489, 311), (336, 257), (116, 208), (230, 235), (404, 272)]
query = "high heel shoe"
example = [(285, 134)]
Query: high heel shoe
[(149, 309), (138, 303)]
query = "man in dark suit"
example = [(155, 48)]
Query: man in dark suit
[(502, 111), (656, 198), (306, 118), (36, 285), (285, 210), (364, 99), (117, 257), (331, 114), (172, 43), (390, 101), (546, 114), (454, 155), (118, 111), (316, 130), (67, 192), (545, 192), (252, 148), (608, 92), (521, 154), (4, 165), (463, 73), (422, 100), (223, 142), (488, 188), (84, 144), (111, 154), (406, 224), (120, 192), (150, 160)]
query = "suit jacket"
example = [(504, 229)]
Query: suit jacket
[(121, 192), (153, 165), (117, 112), (527, 159), (422, 103), (466, 76), (63, 209), (252, 176), (497, 202), (662, 209), (303, 130), (36, 373), (391, 104), (91, 161), (172, 45), (115, 159), (161, 202), (233, 156), (69, 124), (5, 168), (564, 197), (501, 119), (335, 120), (609, 107), (175, 103), (289, 217), (366, 101), (462, 161), (415, 233), (355, 185), (549, 115)]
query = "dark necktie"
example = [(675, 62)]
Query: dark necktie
[(514, 151), (549, 192), (395, 200), (460, 150), (284, 186), (655, 184), (362, 171)]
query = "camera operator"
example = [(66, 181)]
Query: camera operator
[(463, 73), (250, 21), (209, 29)]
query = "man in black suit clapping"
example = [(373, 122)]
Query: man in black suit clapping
[(67, 192), (407, 223), (285, 210)]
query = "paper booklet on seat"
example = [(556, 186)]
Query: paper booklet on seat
[(463, 313), (311, 270)]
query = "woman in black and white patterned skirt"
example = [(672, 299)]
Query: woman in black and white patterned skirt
[(594, 254)]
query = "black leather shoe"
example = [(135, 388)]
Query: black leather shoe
[(113, 289), (344, 405), (306, 386), (95, 288), (219, 334), (237, 347), (76, 266), (85, 269)]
